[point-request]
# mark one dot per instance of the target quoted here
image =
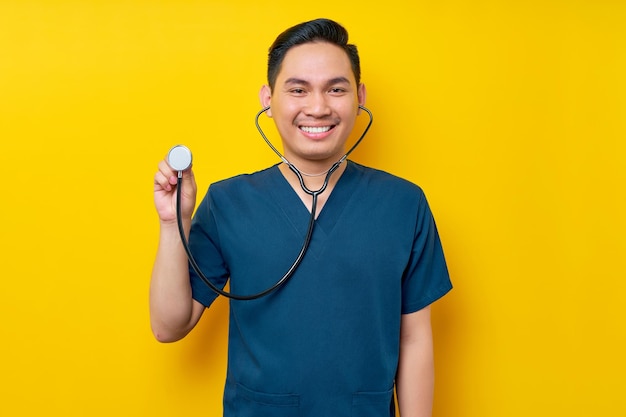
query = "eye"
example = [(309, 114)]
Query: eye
[(297, 91), (337, 90)]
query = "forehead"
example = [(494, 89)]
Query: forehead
[(315, 61)]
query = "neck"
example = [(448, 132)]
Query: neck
[(315, 178), (307, 174)]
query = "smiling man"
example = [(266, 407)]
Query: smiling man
[(353, 323), (314, 100)]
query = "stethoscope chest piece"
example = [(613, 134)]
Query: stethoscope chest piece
[(179, 158)]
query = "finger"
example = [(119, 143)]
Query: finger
[(161, 182), (165, 168), (189, 183), (167, 172), (188, 174)]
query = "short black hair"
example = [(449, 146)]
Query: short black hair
[(318, 30)]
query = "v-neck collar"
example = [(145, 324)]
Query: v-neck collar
[(296, 211)]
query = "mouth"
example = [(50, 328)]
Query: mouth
[(316, 130)]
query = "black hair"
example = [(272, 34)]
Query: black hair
[(318, 30)]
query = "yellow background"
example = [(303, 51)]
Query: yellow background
[(510, 114)]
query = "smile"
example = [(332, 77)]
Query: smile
[(315, 129)]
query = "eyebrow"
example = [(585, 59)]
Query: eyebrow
[(336, 80)]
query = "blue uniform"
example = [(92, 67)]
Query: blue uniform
[(326, 343)]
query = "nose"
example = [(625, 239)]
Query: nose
[(317, 105)]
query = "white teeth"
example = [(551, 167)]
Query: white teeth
[(310, 129)]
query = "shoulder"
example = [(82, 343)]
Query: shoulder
[(387, 183), (240, 191), (243, 182)]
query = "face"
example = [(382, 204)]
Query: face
[(314, 103)]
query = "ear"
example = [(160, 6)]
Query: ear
[(361, 94), (265, 96)]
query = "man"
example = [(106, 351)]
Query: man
[(354, 320)]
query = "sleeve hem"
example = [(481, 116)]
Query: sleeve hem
[(434, 296)]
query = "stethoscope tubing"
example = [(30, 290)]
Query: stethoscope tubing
[(307, 240), (220, 291)]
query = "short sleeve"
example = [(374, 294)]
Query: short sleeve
[(205, 248), (426, 278)]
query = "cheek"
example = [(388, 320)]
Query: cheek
[(348, 107), (349, 114), (284, 115), (283, 121)]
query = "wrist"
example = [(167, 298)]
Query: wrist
[(172, 225)]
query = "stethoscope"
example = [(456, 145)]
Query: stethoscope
[(179, 158)]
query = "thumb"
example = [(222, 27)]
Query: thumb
[(189, 181)]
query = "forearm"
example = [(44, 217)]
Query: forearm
[(415, 377), (171, 304)]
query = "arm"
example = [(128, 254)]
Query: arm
[(173, 312), (415, 378)]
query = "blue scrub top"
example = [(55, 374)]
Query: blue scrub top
[(326, 343)]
